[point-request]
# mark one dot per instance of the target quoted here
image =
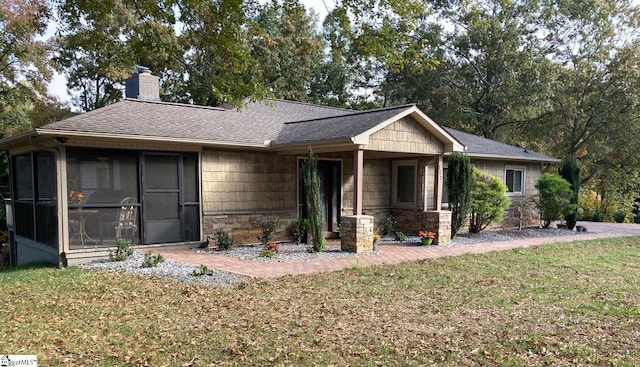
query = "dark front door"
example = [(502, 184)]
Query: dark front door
[(330, 174)]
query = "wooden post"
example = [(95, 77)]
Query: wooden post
[(437, 187), (358, 164)]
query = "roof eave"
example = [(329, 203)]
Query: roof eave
[(6, 142), (513, 158), (200, 142)]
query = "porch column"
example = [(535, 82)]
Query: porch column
[(63, 208), (438, 180), (358, 164)]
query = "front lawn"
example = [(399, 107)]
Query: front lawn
[(566, 304)]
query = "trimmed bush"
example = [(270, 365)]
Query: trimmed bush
[(488, 201), (224, 240), (619, 216), (313, 198), (570, 171), (267, 232), (554, 198), (460, 184), (300, 230), (597, 217)]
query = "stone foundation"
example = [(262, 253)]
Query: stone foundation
[(246, 227), (410, 221), (357, 233)]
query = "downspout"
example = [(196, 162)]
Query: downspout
[(61, 187)]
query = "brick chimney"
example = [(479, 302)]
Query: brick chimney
[(142, 85)]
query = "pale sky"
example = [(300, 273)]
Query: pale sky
[(58, 86)]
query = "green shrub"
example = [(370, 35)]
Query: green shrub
[(488, 201), (202, 270), (267, 232), (123, 251), (554, 198), (313, 200), (570, 171), (459, 183), (267, 252), (597, 217), (399, 236), (152, 260), (389, 226), (619, 216), (224, 240), (300, 230)]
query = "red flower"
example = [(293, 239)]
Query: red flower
[(427, 234)]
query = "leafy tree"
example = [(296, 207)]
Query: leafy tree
[(314, 201), (24, 60), (570, 171), (287, 47), (460, 186), (488, 201), (490, 79), (554, 198), (200, 49), (377, 37)]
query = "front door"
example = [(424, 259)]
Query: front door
[(330, 174)]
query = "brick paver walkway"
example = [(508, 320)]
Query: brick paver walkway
[(387, 253)]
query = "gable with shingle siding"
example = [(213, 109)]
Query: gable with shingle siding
[(405, 135)]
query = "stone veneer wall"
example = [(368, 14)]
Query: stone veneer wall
[(246, 227), (410, 221), (357, 233)]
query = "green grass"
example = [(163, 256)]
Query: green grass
[(565, 304)]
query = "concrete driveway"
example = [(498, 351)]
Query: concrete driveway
[(613, 229)]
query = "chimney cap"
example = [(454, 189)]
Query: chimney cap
[(142, 69)]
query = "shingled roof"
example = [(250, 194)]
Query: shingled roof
[(334, 127), (269, 123), (480, 147), (253, 125)]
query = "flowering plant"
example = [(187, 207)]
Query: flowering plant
[(76, 197), (376, 234), (427, 234)]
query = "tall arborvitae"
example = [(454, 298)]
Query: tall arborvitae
[(460, 185), (570, 171), (314, 201)]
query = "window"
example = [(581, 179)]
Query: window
[(514, 178), (404, 182), (445, 187)]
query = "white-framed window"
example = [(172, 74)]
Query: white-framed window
[(514, 179), (405, 182)]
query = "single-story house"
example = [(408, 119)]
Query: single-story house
[(169, 174)]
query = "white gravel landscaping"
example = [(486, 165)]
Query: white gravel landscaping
[(290, 252)]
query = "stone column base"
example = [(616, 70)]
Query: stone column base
[(356, 233), (440, 221)]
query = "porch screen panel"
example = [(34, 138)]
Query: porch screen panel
[(163, 206), (46, 201), (106, 178), (191, 200), (23, 191)]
